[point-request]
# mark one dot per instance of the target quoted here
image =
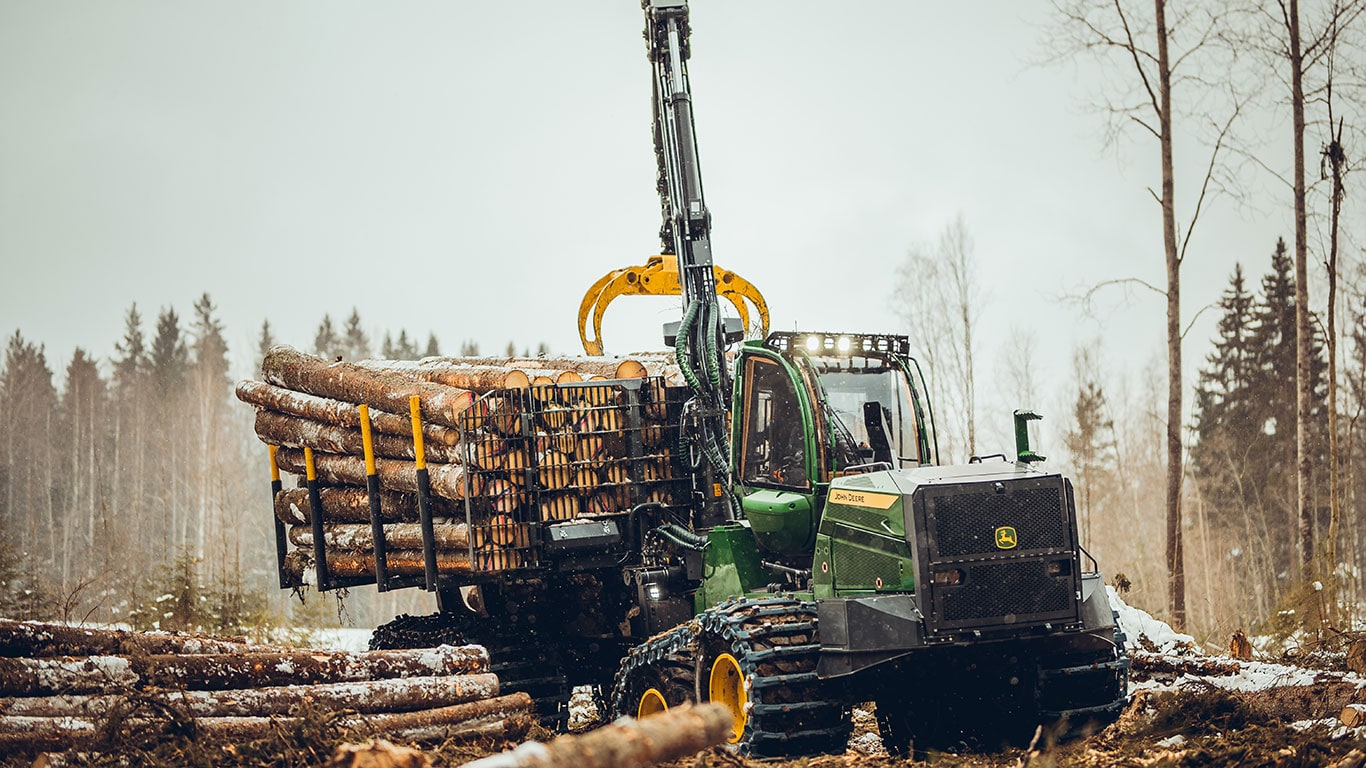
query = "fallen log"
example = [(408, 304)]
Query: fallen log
[(367, 696), (287, 367), (359, 536), (219, 671), (328, 411), (628, 743), (274, 428), (402, 562), (23, 638), (349, 504), (447, 480), (37, 734), (1353, 715)]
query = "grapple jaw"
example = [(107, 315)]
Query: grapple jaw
[(659, 277)]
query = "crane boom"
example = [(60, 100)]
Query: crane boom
[(701, 336)]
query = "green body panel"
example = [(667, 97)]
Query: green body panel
[(782, 521), (861, 548), (730, 566)]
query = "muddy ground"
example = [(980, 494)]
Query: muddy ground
[(1190, 726)]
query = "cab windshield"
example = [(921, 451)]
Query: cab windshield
[(852, 382)]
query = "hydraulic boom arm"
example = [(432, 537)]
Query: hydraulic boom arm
[(701, 337)]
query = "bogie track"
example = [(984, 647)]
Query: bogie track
[(773, 644)]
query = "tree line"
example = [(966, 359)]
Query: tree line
[(132, 487)]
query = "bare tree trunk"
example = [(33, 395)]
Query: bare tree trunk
[(1304, 382), (1176, 571), (1335, 157)]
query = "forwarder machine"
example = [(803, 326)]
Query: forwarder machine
[(786, 542)]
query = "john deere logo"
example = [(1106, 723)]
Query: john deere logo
[(1006, 537)]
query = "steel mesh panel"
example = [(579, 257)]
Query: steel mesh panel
[(557, 453), (857, 567), (965, 523), (994, 590)]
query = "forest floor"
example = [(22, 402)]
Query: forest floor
[(1187, 708)]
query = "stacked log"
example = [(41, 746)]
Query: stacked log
[(64, 688), (504, 454)]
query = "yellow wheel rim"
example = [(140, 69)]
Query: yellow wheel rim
[(651, 703), (727, 687)]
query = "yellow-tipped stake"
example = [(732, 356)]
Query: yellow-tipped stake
[(315, 516), (418, 448), (376, 515), (424, 507), (281, 542)]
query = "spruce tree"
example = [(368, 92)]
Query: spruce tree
[(355, 342), (433, 349), (170, 357), (326, 342)]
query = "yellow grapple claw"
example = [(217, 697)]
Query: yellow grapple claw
[(659, 277)]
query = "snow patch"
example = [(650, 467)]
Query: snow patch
[(1143, 632)]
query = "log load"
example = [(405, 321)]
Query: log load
[(448, 480), (291, 369), (358, 536), (359, 564), (671, 735), (337, 413), (351, 504), (293, 432), (501, 463)]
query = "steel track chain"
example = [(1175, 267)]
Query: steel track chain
[(777, 644)]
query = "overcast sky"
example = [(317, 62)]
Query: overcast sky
[(470, 169)]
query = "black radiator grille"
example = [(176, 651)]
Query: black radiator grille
[(966, 523), (992, 590)]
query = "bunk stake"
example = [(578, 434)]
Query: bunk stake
[(281, 542), (315, 515), (372, 489), (424, 507)]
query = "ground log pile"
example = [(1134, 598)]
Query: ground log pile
[(65, 688), (491, 447)]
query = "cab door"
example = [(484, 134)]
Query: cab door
[(776, 463)]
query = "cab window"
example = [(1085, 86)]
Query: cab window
[(773, 439)]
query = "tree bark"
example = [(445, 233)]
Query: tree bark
[(35, 734), (218, 671), (289, 368), (1176, 568), (402, 562), (474, 377), (628, 743), (335, 412), (1304, 381), (349, 504), (357, 537), (367, 696), (447, 480), (22, 638), (275, 428)]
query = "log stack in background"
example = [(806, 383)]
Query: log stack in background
[(65, 688), (511, 443)]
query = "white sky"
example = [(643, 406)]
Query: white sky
[(471, 168)]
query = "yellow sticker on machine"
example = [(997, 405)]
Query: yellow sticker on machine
[(863, 498)]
